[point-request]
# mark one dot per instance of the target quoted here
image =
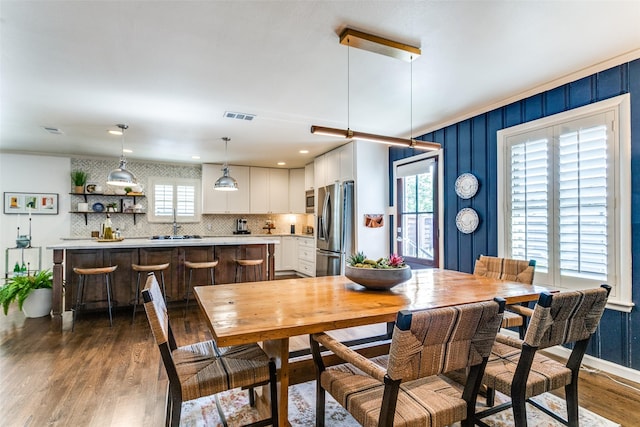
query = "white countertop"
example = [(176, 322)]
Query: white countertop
[(150, 243)]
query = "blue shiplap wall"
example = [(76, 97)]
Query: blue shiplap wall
[(471, 146)]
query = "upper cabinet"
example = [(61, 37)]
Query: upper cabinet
[(269, 190), (309, 184), (297, 191), (214, 201), (334, 166)]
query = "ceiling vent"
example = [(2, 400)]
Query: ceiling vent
[(239, 116), (54, 131)]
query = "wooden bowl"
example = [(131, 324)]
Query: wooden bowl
[(379, 279)]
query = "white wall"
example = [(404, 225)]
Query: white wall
[(372, 193), (35, 174)]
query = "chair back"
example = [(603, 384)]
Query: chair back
[(156, 310), (566, 317), (432, 342), (514, 270)]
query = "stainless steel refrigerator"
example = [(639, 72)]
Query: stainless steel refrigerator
[(334, 233)]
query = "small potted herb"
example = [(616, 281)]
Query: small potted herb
[(32, 293), (79, 179)]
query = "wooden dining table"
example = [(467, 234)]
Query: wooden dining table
[(271, 312)]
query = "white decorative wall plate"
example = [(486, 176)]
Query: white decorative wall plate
[(466, 185), (467, 220)]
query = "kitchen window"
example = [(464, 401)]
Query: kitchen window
[(564, 198), (174, 196)]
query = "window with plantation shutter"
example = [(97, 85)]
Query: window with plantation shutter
[(174, 195), (565, 189)]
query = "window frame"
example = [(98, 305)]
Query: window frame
[(174, 182), (621, 295)]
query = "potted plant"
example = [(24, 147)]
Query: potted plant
[(33, 293), (79, 179)]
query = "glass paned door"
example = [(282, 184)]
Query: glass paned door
[(417, 219)]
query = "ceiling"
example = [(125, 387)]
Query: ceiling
[(171, 69)]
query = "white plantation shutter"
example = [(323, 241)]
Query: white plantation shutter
[(530, 202), (179, 195), (584, 203)]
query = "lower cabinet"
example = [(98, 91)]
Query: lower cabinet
[(306, 256), (226, 255)]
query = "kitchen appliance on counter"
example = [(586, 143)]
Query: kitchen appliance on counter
[(334, 233), (241, 226)]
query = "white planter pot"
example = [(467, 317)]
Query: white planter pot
[(38, 303)]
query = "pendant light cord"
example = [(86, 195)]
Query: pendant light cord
[(411, 100), (348, 82)]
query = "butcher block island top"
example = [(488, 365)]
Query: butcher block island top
[(90, 253)]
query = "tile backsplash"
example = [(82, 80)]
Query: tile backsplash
[(209, 225)]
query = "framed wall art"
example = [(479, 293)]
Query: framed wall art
[(34, 203)]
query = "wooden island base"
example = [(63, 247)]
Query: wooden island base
[(86, 253)]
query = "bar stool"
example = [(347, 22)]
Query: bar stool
[(196, 266), (82, 278), (148, 269), (254, 264)]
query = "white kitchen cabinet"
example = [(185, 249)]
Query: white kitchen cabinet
[(289, 253), (269, 190), (214, 201), (277, 255), (306, 256), (334, 166), (309, 183), (296, 191)]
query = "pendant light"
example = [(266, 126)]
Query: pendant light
[(379, 45), (225, 182), (121, 176)]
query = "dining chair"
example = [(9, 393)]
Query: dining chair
[(514, 270), (203, 368), (517, 369), (405, 387)]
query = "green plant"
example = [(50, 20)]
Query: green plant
[(79, 178), (128, 189), (19, 287), (359, 260)]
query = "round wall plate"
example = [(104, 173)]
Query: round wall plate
[(466, 185), (467, 220), (97, 207)]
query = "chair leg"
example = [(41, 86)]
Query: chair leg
[(320, 404), (78, 302), (213, 279), (136, 299), (252, 397), (167, 422), (571, 393), (491, 397), (176, 411), (108, 281), (519, 410), (237, 270), (188, 291), (273, 387)]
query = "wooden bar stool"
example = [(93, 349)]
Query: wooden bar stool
[(255, 266), (196, 266), (82, 278), (148, 269)]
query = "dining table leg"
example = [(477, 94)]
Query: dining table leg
[(279, 351)]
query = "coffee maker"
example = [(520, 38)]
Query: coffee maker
[(241, 226)]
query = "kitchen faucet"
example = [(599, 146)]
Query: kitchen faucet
[(175, 223)]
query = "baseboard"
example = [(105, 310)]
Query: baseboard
[(590, 361)]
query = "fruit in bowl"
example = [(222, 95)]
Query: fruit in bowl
[(381, 274)]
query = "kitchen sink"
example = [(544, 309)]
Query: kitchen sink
[(176, 237)]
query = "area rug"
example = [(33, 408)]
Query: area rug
[(203, 413)]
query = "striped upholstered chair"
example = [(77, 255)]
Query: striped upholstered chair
[(203, 368), (515, 367), (404, 387), (513, 270)]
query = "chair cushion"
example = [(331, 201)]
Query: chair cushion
[(546, 374), (424, 402), (202, 372)]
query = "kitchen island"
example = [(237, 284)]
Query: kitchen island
[(91, 253)]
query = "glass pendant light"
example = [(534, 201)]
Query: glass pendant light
[(121, 176), (225, 182)]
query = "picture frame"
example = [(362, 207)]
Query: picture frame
[(31, 203)]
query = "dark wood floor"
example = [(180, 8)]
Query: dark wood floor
[(102, 376)]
